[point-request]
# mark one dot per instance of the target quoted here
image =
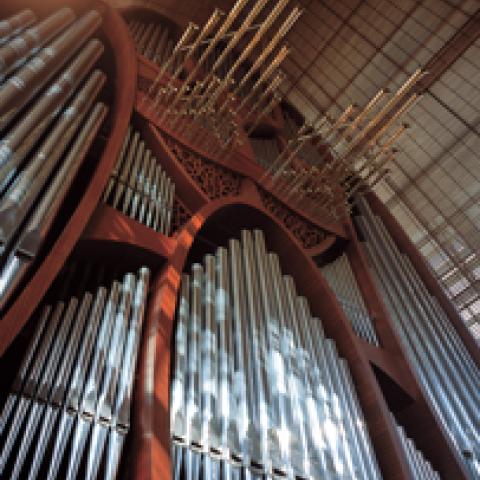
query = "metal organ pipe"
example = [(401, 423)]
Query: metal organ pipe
[(75, 381), (441, 361), (23, 136), (15, 24), (256, 388), (23, 192), (16, 51), (139, 187), (420, 468), (26, 82), (42, 149), (342, 281)]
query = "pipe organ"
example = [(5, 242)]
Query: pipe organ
[(68, 411), (133, 352), (265, 149), (257, 389), (139, 187), (154, 41), (50, 115), (443, 365), (342, 281)]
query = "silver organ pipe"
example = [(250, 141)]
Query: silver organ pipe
[(420, 467), (43, 146), (19, 141), (342, 281), (266, 150), (444, 367), (139, 187), (15, 24), (75, 385), (16, 51), (28, 80), (154, 41), (257, 390)]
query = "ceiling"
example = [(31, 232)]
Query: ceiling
[(343, 52)]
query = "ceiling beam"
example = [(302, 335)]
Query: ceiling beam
[(456, 46)]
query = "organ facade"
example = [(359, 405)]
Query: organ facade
[(197, 280)]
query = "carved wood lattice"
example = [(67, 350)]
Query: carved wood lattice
[(215, 180), (306, 232)]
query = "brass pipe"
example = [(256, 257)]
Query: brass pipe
[(213, 97), (275, 83), (340, 120), (279, 58), (209, 26), (284, 152), (404, 109), (282, 31), (401, 92), (189, 31), (392, 139), (239, 33), (368, 108), (231, 17), (191, 27), (374, 167)]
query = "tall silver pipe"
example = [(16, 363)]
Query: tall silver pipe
[(259, 362), (56, 398), (16, 51), (123, 178), (209, 373), (25, 189), (192, 407), (430, 364), (21, 376), (38, 225), (59, 389), (366, 444), (435, 346), (178, 426), (15, 24), (243, 381), (34, 75), (20, 140), (296, 411), (304, 453), (341, 279), (229, 435)]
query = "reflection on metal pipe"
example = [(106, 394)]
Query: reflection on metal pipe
[(443, 365), (139, 187), (342, 281), (15, 24), (16, 51), (33, 76), (257, 390), (76, 377)]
